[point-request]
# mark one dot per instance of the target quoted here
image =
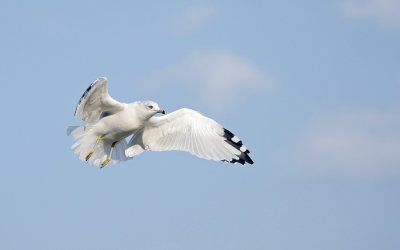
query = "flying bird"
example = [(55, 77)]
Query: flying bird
[(102, 139)]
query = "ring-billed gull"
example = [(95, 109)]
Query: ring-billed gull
[(109, 122)]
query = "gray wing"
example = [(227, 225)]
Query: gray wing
[(188, 130), (96, 102)]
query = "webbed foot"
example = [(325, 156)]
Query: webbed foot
[(105, 162), (89, 155)]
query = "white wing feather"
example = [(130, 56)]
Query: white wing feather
[(96, 101), (190, 131)]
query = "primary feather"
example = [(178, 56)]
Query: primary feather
[(96, 101)]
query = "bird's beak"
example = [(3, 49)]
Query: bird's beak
[(161, 111)]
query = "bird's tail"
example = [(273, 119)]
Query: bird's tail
[(85, 140)]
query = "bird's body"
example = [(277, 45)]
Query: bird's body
[(109, 122), (120, 125)]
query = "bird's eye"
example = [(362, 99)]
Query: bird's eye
[(150, 107)]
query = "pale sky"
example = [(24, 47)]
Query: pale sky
[(311, 87)]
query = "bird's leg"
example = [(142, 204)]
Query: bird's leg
[(109, 157), (91, 152)]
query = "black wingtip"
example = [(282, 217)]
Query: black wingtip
[(85, 94), (235, 142)]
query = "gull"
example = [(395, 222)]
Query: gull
[(108, 123)]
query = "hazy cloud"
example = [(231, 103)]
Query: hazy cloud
[(384, 12), (217, 77), (355, 143), (193, 18)]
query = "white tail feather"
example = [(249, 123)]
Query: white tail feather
[(85, 139)]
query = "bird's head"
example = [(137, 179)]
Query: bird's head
[(151, 108)]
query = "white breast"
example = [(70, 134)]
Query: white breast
[(120, 125)]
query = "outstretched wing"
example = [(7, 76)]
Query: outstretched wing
[(190, 131), (96, 102)]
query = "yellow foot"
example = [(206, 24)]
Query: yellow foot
[(89, 155), (109, 157), (91, 152), (105, 162)]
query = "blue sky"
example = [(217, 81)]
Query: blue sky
[(311, 87)]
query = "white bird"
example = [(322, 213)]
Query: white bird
[(109, 122)]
